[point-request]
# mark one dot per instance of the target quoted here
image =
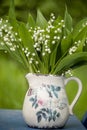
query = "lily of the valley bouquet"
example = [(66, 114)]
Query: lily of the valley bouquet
[(46, 47)]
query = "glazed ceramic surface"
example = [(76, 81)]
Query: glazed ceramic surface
[(46, 104)]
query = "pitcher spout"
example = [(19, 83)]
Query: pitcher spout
[(29, 76)]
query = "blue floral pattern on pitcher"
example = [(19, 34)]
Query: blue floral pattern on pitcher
[(46, 112)]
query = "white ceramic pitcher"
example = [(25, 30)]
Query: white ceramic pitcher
[(46, 104)]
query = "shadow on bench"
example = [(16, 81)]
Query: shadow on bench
[(84, 120)]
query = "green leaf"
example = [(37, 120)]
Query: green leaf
[(41, 21), (68, 23), (81, 45), (12, 10), (53, 56), (80, 34), (17, 56), (2, 48), (28, 42), (26, 37), (30, 22), (70, 61), (81, 37), (79, 27), (43, 67), (85, 46), (66, 43), (12, 17), (57, 20)]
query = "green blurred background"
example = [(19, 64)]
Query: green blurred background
[(13, 84)]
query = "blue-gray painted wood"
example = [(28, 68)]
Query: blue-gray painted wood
[(13, 120)]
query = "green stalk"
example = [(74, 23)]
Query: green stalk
[(53, 69)]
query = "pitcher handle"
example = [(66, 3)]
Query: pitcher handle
[(78, 93)]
